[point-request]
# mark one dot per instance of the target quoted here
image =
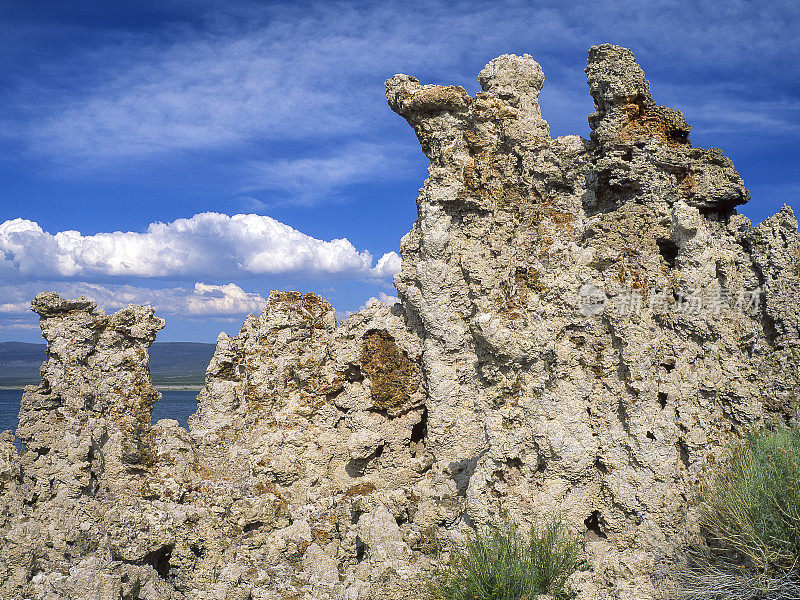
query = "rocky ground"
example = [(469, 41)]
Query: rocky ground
[(582, 325)]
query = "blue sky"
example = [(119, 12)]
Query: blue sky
[(196, 155)]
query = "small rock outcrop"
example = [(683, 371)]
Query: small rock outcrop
[(582, 325)]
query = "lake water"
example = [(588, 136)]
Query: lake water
[(175, 404)]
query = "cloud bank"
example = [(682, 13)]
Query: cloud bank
[(199, 300), (207, 245)]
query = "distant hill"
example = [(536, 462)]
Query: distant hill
[(180, 363), (20, 362), (171, 363)]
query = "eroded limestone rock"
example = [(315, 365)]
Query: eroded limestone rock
[(540, 406), (583, 323)]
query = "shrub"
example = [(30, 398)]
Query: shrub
[(750, 510), (752, 503), (501, 563)]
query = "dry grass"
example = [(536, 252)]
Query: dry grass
[(711, 578)]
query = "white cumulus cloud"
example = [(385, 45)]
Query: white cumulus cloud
[(383, 297), (207, 299), (205, 245), (14, 307)]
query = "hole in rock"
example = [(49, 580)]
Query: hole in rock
[(768, 323), (463, 470), (607, 198), (514, 463), (668, 250), (541, 464), (601, 466), (594, 530), (668, 365), (331, 396), (662, 399), (627, 155), (651, 435), (720, 213), (683, 451), (361, 549), (419, 433), (722, 279), (175, 404), (252, 526), (622, 414), (353, 373), (228, 372), (420, 430), (159, 560), (355, 468), (198, 550)]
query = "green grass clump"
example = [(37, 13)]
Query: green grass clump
[(501, 563), (752, 503)]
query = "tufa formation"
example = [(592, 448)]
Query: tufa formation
[(582, 325)]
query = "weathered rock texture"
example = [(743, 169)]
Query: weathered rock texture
[(582, 324)]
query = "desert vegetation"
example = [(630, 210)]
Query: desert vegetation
[(750, 511), (501, 562)]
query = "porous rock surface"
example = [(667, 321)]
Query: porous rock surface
[(582, 325)]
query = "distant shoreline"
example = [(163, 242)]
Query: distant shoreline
[(174, 366), (173, 388)]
